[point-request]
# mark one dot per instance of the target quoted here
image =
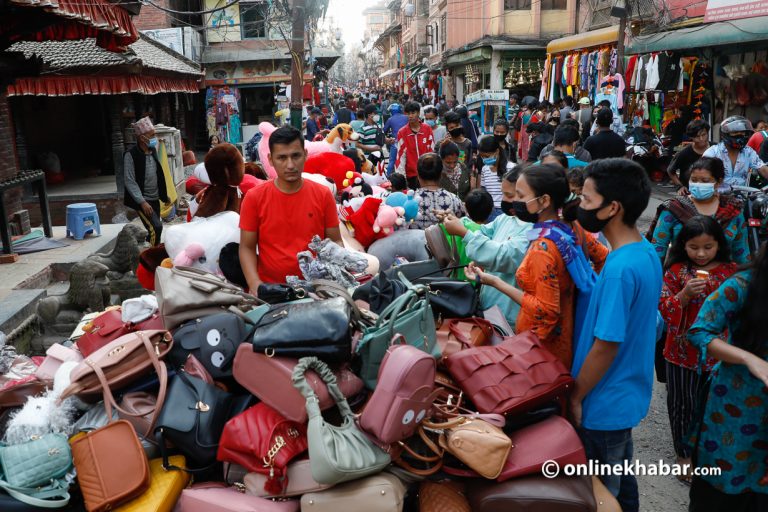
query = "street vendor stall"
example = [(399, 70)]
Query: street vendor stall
[(491, 105)]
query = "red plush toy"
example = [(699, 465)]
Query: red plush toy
[(339, 168), (362, 221)]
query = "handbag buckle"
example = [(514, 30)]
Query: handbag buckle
[(269, 460), (269, 352), (202, 406), (116, 350)]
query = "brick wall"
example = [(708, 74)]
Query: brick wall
[(151, 18), (8, 163)]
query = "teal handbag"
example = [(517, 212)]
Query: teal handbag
[(409, 316), (35, 470), (336, 453)]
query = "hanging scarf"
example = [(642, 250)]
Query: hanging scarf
[(577, 263)]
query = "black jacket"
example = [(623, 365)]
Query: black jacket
[(139, 167)]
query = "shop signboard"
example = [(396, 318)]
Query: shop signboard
[(723, 10), (491, 97)]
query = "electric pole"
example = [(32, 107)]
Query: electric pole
[(627, 12), (297, 61)]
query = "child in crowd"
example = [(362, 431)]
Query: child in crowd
[(699, 262), (398, 182), (479, 206)]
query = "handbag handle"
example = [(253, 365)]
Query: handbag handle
[(196, 274), (36, 496), (476, 322), (326, 289), (300, 382), (162, 373)]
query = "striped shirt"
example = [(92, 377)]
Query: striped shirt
[(491, 182), (368, 134)]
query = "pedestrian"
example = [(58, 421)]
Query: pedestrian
[(580, 153), (342, 114), (431, 118), (456, 177), (393, 125), (144, 180), (565, 140), (369, 131), (501, 133), (732, 432), (613, 359), (567, 109), (699, 262), (413, 140), (605, 143), (493, 165), (540, 135), (698, 131), (584, 117), (288, 201), (434, 200), (213, 140), (312, 123), (456, 134)]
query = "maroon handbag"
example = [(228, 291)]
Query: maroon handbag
[(263, 441), (109, 326), (514, 377)]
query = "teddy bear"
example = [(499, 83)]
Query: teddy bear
[(387, 218), (409, 202), (337, 167), (194, 252)]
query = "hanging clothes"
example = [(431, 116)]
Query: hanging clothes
[(652, 81), (629, 73)]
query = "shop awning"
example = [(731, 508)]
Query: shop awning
[(389, 72), (589, 39), (103, 85), (722, 33), (470, 57)]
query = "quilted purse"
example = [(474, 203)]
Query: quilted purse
[(263, 441), (28, 466), (442, 497), (164, 488)]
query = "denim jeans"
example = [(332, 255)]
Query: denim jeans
[(495, 213), (392, 156), (613, 447)]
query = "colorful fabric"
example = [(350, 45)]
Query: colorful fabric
[(431, 201)]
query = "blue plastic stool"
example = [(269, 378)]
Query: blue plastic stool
[(82, 218)]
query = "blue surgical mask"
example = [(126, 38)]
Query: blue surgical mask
[(490, 160), (152, 142), (431, 122), (702, 191)]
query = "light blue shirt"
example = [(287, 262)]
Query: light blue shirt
[(748, 160), (623, 309), (499, 247)]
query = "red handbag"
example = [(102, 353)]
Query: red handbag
[(263, 441), (514, 377), (109, 326)]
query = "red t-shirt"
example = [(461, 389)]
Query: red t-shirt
[(285, 224)]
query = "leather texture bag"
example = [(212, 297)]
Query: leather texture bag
[(378, 493), (139, 409), (184, 293), (451, 298), (552, 439), (109, 326), (456, 334), (299, 481), (306, 329), (215, 497), (263, 441), (164, 488), (446, 254), (403, 395), (277, 293), (561, 494), (269, 378), (336, 454), (410, 316), (478, 444), (54, 357), (111, 466), (96, 417), (213, 340), (514, 377), (118, 363), (33, 472), (442, 497), (193, 418)]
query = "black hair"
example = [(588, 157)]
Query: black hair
[(562, 160), (695, 126), (536, 127), (489, 144), (412, 106), (501, 122), (430, 110), (604, 118), (565, 134), (714, 166), (751, 334), (512, 175), (448, 148), (696, 226), (604, 104), (360, 114), (430, 167), (210, 139), (452, 117), (370, 109), (569, 122), (398, 182), (575, 176), (569, 101), (623, 181), (548, 179), (285, 135), (479, 205)]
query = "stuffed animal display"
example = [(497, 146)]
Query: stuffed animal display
[(337, 167), (372, 219), (408, 202), (184, 241)]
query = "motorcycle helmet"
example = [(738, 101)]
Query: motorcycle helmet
[(395, 108), (462, 111), (735, 132)]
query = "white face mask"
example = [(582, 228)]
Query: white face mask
[(376, 118)]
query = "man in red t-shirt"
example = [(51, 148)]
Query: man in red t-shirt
[(281, 216)]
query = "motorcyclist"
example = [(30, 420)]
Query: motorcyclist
[(739, 159)]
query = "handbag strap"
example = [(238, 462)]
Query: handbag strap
[(196, 274), (436, 458), (109, 398), (476, 322), (326, 289), (300, 382), (38, 496)]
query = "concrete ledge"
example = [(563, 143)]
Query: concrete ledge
[(17, 306)]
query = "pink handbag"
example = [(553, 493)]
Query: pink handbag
[(404, 394), (300, 481), (214, 497), (54, 357)]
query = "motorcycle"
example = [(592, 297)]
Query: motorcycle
[(646, 148), (755, 213)]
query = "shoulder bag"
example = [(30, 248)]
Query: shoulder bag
[(378, 493), (109, 326), (336, 454), (33, 472)]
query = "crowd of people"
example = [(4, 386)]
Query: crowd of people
[(545, 210)]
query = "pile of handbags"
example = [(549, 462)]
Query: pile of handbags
[(398, 397)]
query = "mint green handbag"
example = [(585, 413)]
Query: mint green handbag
[(336, 454), (409, 316), (34, 471)]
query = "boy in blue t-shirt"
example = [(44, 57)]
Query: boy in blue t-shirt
[(613, 359)]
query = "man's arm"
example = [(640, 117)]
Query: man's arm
[(334, 234), (596, 365), (248, 262), (763, 171)]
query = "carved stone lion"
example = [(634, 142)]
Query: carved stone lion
[(124, 257)]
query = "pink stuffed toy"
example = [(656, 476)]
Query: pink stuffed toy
[(387, 218), (190, 255)]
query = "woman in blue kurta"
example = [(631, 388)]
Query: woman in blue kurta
[(733, 434)]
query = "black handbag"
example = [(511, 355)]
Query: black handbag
[(213, 340), (451, 298), (192, 419), (318, 328), (275, 293)]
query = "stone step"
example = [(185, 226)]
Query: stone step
[(16, 306)]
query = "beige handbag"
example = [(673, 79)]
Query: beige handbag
[(379, 493), (300, 482)]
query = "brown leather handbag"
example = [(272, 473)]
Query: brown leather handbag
[(456, 334), (444, 496)]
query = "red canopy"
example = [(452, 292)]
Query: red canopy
[(80, 85)]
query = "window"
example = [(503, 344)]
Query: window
[(436, 39), (553, 5), (517, 5), (443, 24), (253, 20)]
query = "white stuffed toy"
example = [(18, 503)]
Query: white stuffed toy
[(198, 243)]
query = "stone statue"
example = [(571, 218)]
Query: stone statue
[(124, 257)]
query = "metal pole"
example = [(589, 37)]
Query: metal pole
[(297, 62), (622, 36)]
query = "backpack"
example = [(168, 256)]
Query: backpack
[(675, 208)]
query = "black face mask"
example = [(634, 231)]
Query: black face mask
[(500, 138), (506, 208), (589, 221), (521, 212), (457, 132)]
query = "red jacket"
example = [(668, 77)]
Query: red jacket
[(410, 146)]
